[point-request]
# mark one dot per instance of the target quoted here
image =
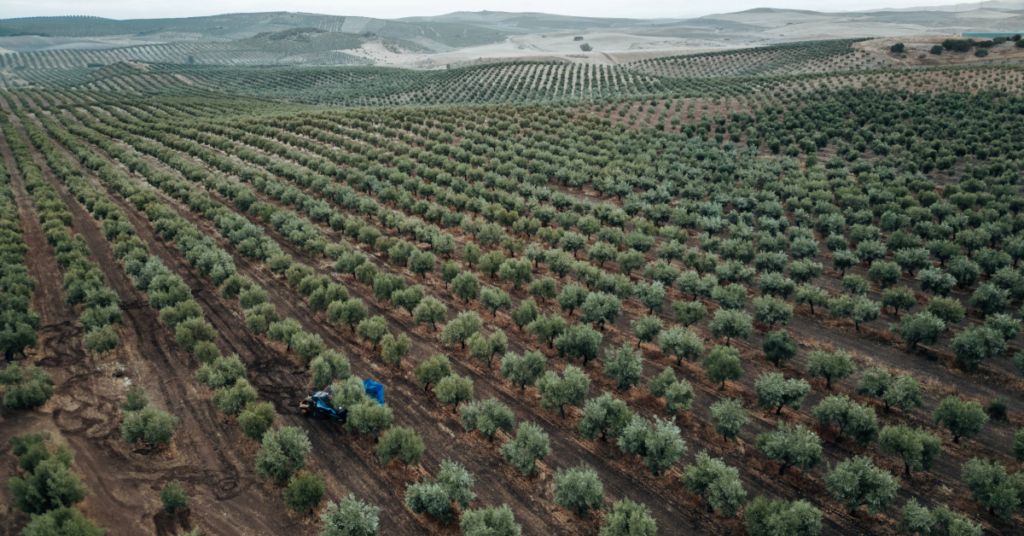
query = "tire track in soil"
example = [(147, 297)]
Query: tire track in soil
[(202, 455)]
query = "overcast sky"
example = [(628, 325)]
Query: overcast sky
[(393, 9)]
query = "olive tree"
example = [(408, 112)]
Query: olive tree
[(858, 420), (628, 518), (917, 447), (305, 491), (461, 328), (729, 417), (281, 453), (489, 521), (658, 444), (624, 364), (400, 443), (770, 517), (547, 328), (430, 311), (992, 488), (832, 366), (717, 483), (487, 416), (151, 425), (778, 347), (453, 389), (682, 343), (920, 328), (791, 446), (568, 390), (523, 369), (453, 485), (579, 489), (580, 341), (349, 517), (976, 344), (722, 364), (775, 392), (428, 372), (646, 328), (916, 519), (530, 444), (961, 418), (688, 312), (50, 484), (856, 481), (730, 324), (604, 416), (769, 310)]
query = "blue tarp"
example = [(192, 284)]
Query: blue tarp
[(374, 390)]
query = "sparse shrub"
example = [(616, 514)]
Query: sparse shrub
[(174, 497)]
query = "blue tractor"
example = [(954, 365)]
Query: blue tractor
[(319, 404)]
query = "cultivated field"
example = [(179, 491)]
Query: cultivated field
[(773, 290)]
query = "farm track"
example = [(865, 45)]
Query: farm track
[(949, 473)]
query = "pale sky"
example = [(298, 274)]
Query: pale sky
[(393, 9)]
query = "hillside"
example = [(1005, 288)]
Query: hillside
[(455, 39), (513, 274)]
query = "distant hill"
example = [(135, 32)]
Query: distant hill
[(459, 38), (537, 22), (432, 35)]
